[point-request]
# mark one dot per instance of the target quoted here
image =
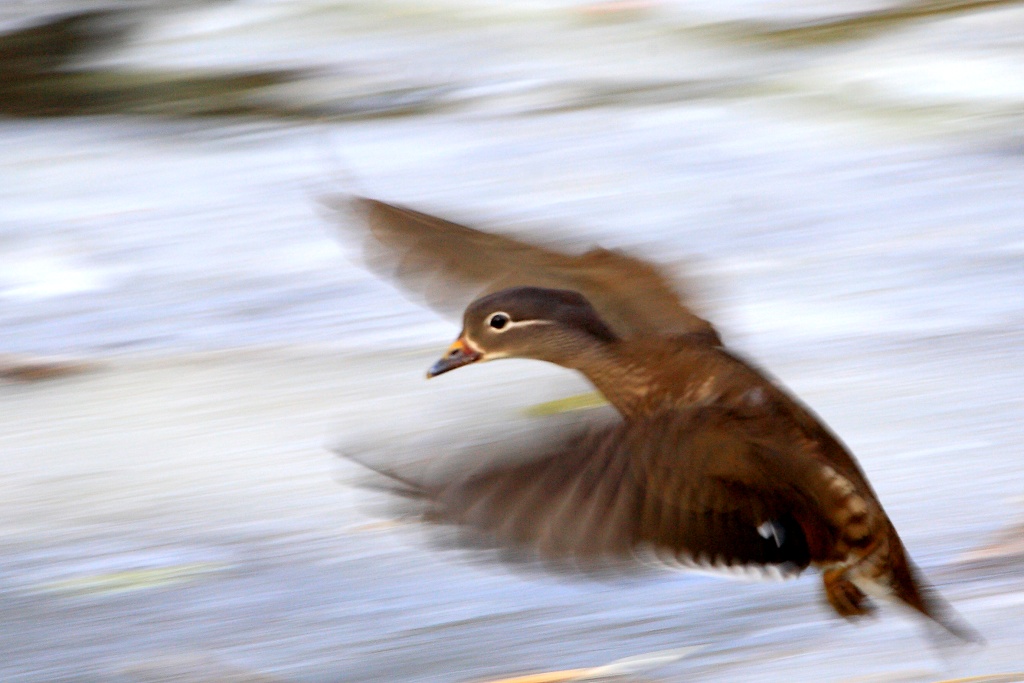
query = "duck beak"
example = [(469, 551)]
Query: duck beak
[(458, 354)]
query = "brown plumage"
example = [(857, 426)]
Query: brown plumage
[(708, 463)]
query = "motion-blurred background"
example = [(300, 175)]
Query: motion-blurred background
[(844, 180)]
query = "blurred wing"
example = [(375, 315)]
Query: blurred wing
[(720, 496), (693, 492), (450, 265)]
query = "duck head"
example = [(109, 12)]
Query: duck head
[(555, 325)]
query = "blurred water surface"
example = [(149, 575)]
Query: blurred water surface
[(846, 187)]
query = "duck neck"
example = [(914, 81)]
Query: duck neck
[(624, 383)]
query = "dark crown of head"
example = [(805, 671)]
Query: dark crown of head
[(563, 306)]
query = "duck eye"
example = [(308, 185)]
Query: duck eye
[(498, 321)]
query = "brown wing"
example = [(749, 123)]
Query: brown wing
[(697, 489), (450, 265)]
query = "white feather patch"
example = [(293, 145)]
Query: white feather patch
[(666, 558), (772, 529)]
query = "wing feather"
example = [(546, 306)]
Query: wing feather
[(699, 490), (449, 265)]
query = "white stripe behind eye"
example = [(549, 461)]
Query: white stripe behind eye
[(495, 355), (475, 346), (525, 323)]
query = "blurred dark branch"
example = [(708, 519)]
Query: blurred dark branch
[(108, 92), (17, 368), (866, 25), (40, 74), (56, 42)]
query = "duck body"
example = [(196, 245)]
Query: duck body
[(708, 463), (767, 487)]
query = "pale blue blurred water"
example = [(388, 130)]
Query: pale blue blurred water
[(856, 217), (178, 237)]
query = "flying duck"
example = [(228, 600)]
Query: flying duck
[(706, 463)]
